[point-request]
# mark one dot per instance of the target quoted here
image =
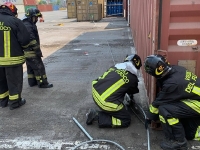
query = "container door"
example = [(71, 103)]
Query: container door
[(180, 33)]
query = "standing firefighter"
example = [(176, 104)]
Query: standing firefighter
[(13, 38), (109, 90), (35, 67), (177, 101)]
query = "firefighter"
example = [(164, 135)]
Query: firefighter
[(109, 90), (178, 99), (13, 39), (35, 67)]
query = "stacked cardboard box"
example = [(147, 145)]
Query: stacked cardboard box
[(88, 10), (71, 9), (95, 10), (82, 10)]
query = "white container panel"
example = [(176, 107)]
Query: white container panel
[(20, 8), (16, 2)]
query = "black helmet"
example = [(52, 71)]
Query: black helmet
[(33, 12), (157, 66), (135, 59)]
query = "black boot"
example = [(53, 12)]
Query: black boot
[(48, 85), (92, 115), (174, 145), (17, 103)]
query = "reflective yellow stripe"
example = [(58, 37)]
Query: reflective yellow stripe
[(12, 60), (162, 119), (37, 77), (105, 105), (116, 122), (112, 89), (13, 97), (44, 76), (28, 54), (173, 121), (94, 82), (4, 94), (33, 42), (153, 110), (196, 90), (31, 76), (6, 43), (197, 134), (194, 104)]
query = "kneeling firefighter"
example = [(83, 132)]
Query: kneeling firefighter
[(109, 90), (35, 67)]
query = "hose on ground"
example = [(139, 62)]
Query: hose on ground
[(91, 139)]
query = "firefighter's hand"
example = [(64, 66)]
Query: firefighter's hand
[(147, 122)]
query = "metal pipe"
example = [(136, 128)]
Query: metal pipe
[(87, 134)]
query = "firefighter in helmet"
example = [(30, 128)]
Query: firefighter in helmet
[(109, 90), (13, 39), (35, 66), (177, 100)]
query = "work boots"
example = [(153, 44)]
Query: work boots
[(16, 104), (92, 115), (48, 85), (174, 145)]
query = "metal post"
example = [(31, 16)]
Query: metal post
[(128, 13)]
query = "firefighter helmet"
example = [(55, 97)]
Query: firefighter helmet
[(33, 12), (135, 59), (157, 66), (10, 6)]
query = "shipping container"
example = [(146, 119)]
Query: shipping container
[(167, 27), (114, 7), (16, 2), (45, 7), (30, 2), (56, 7), (29, 6)]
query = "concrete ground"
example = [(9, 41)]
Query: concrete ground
[(75, 53)]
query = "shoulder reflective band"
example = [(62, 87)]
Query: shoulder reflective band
[(112, 89), (197, 134), (194, 104), (108, 106), (173, 121), (162, 119), (152, 109), (7, 44)]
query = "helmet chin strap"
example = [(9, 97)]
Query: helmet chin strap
[(164, 74)]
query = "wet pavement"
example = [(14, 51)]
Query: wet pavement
[(75, 53)]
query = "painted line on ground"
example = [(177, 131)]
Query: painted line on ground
[(42, 144)]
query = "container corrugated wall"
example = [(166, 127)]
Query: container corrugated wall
[(144, 24), (157, 26), (181, 21), (30, 2)]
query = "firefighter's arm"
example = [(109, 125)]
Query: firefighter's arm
[(33, 45), (23, 35)]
